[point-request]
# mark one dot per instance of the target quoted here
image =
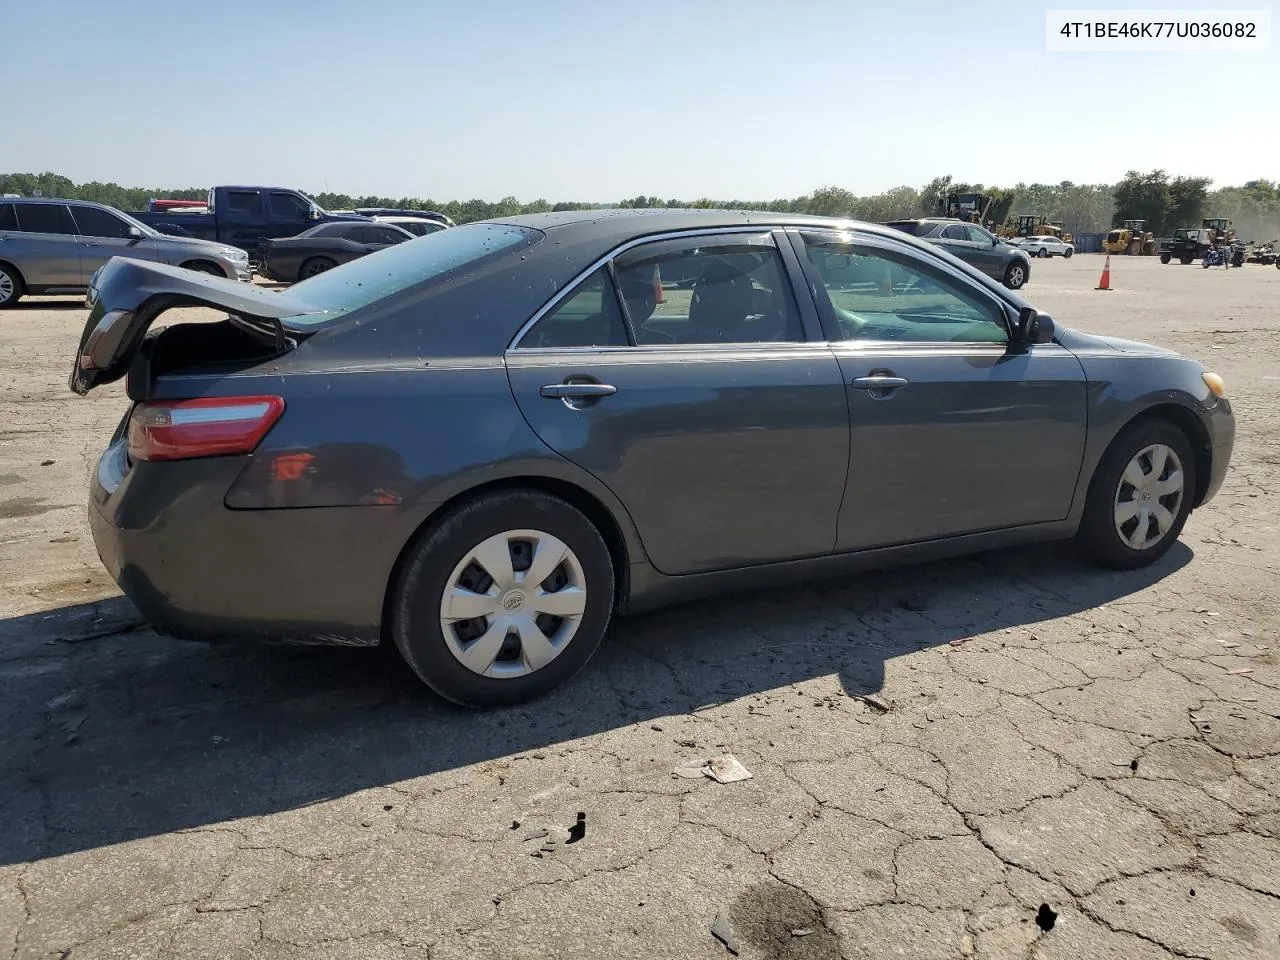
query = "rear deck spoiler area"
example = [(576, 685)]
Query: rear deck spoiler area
[(126, 296)]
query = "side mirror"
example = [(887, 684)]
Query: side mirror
[(313, 213), (135, 234), (1034, 326)]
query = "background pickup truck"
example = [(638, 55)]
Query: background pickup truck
[(242, 216)]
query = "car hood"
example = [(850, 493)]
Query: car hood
[(190, 243), (1078, 342)]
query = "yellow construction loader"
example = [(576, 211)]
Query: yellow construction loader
[(1132, 239)]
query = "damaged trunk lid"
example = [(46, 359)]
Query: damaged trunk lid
[(127, 296)]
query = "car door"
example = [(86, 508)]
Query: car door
[(46, 248), (954, 430), (242, 221), (379, 237), (985, 251), (287, 214), (715, 413), (103, 235)]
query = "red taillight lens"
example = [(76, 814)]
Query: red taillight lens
[(208, 427)]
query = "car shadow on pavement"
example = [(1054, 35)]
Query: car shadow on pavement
[(74, 304), (112, 733)]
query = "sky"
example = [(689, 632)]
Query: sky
[(596, 101)]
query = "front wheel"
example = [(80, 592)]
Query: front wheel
[(504, 600), (315, 266), (203, 266), (1140, 496), (11, 288), (1015, 275), (1066, 254)]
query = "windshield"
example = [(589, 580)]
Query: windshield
[(404, 265)]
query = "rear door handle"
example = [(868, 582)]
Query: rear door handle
[(879, 383), (578, 391)]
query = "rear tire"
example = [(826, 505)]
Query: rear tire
[(1117, 514), (1166, 257), (1186, 260), (1066, 254), (314, 267), (11, 286), (485, 660), (1015, 275)]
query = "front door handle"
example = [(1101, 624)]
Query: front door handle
[(578, 391), (879, 382), (88, 243)]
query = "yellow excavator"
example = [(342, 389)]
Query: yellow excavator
[(1132, 238), (1035, 226)]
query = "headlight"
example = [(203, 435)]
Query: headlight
[(231, 253), (1215, 384)]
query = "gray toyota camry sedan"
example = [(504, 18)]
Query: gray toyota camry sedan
[(481, 444)]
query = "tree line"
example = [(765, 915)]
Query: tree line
[(1164, 202)]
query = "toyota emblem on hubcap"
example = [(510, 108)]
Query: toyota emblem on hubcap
[(513, 600)]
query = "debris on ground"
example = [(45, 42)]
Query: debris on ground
[(689, 771), (721, 930), (1046, 917), (1240, 672), (872, 701), (578, 830), (726, 769), (802, 932), (72, 727)]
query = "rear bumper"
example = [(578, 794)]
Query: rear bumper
[(198, 570)]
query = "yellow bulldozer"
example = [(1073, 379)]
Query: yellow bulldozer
[(1132, 238), (1035, 226)]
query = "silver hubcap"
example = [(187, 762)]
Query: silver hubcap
[(6, 286), (513, 604), (1015, 276), (1149, 496)]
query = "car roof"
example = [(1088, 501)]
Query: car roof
[(620, 225)]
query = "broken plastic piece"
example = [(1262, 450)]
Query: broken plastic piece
[(721, 930), (726, 769)]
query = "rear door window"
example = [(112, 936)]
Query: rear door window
[(955, 232), (45, 218), (588, 317), (244, 203)]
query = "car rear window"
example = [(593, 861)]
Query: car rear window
[(404, 265), (917, 228)]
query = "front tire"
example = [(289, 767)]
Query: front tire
[(11, 286), (471, 621), (1015, 275), (203, 266), (1140, 496), (1066, 254)]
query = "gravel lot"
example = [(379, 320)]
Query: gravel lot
[(1062, 748)]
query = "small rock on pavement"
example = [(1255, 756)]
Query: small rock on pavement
[(722, 931)]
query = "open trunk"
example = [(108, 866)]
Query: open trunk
[(127, 296)]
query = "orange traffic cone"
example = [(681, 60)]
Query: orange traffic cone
[(658, 295), (1105, 282)]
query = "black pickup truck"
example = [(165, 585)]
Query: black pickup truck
[(240, 216)]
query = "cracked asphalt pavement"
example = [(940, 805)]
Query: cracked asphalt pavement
[(1073, 763)]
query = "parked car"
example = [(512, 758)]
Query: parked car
[(376, 212), (1046, 246), (243, 216), (418, 226), (323, 247), (482, 444), (992, 255), (54, 246)]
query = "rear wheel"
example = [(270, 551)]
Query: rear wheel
[(1044, 252), (315, 266), (11, 286), (1166, 257), (1015, 275), (504, 600), (1186, 260), (1140, 496)]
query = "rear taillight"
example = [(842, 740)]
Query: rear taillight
[(208, 427)]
